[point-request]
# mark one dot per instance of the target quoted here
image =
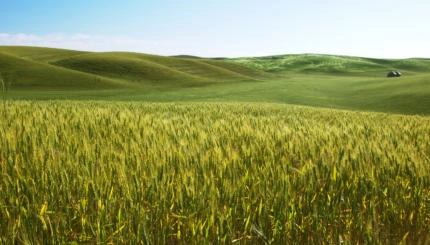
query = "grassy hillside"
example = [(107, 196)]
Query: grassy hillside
[(317, 80), (159, 70), (124, 67)]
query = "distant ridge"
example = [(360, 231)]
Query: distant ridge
[(186, 56), (331, 63)]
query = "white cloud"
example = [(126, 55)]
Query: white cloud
[(80, 36), (81, 41), (13, 39)]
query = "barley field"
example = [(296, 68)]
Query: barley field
[(211, 173)]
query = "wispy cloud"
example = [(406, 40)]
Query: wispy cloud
[(81, 41)]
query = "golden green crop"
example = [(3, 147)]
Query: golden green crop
[(206, 173)]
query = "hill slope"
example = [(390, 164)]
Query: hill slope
[(24, 73)]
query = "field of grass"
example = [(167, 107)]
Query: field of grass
[(329, 81), (116, 172)]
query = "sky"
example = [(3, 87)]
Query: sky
[(222, 28)]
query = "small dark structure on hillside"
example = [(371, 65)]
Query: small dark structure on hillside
[(394, 74)]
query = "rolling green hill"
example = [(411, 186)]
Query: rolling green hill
[(345, 82), (175, 72)]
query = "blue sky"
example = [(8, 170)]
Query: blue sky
[(229, 28)]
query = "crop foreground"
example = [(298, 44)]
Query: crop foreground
[(203, 173)]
